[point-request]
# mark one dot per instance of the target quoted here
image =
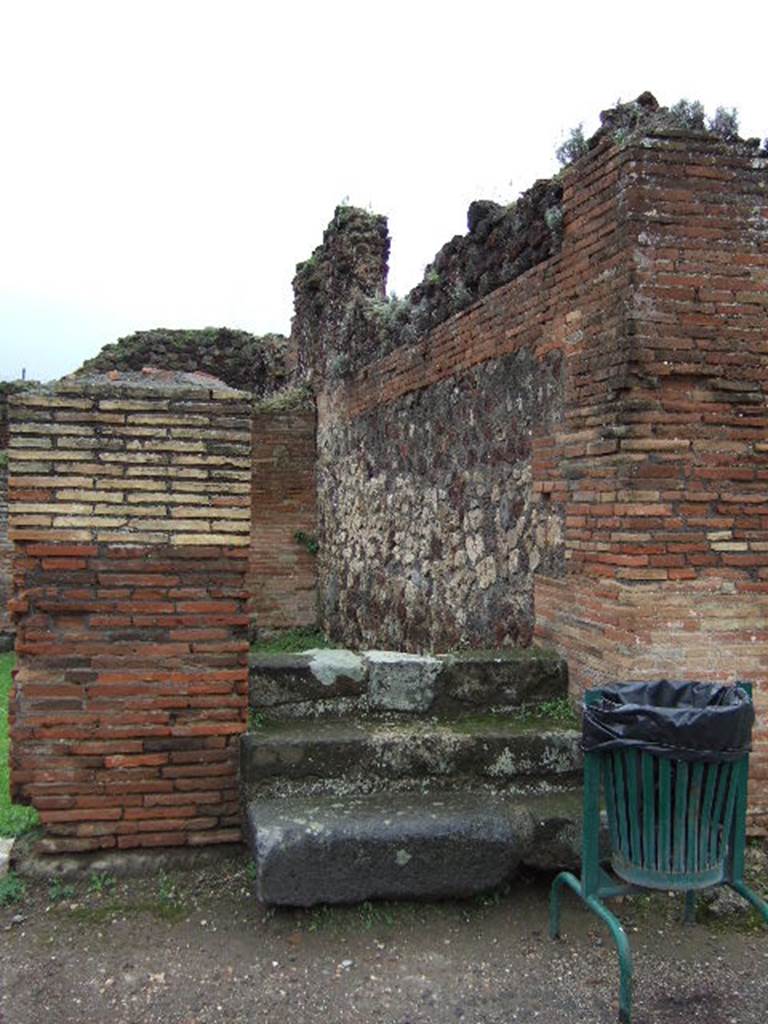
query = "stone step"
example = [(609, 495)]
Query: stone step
[(405, 846), (340, 682), (310, 758)]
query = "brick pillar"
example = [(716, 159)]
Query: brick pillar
[(283, 570), (662, 462), (130, 515)]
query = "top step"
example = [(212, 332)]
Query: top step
[(318, 682)]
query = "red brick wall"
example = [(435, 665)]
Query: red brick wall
[(6, 552), (667, 516), (130, 516), (658, 303), (283, 572)]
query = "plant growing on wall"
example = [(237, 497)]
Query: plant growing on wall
[(308, 541), (573, 147)]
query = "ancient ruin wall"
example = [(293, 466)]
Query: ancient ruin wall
[(643, 469), (130, 514), (430, 526)]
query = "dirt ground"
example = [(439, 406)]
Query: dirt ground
[(194, 947)]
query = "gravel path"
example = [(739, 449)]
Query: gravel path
[(194, 947)]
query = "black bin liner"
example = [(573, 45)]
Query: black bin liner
[(683, 721)]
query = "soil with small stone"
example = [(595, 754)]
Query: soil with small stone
[(192, 947)]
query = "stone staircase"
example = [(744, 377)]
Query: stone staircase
[(387, 775)]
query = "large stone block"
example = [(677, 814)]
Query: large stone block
[(349, 850)]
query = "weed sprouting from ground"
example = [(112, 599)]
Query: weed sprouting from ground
[(12, 889), (60, 890), (101, 883), (559, 710)]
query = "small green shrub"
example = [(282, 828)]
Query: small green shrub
[(690, 114), (725, 123), (59, 890), (558, 710), (308, 541), (573, 147), (12, 889), (101, 883)]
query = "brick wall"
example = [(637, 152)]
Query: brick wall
[(652, 457), (667, 516), (130, 514), (283, 571), (6, 551)]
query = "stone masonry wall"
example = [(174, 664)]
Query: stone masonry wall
[(130, 514), (283, 568), (429, 524)]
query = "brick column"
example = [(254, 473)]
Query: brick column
[(662, 461), (283, 570), (130, 515)]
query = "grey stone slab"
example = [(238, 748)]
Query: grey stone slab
[(348, 850), (401, 682), (475, 681), (349, 756), (277, 681)]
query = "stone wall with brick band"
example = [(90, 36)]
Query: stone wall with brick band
[(283, 565), (613, 399), (130, 515)]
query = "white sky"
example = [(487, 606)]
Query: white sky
[(168, 163)]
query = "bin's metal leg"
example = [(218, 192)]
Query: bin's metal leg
[(618, 935), (749, 894), (689, 913)]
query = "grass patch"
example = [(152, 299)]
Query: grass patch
[(14, 819), (367, 916), (163, 909), (549, 714), (559, 710), (291, 641)]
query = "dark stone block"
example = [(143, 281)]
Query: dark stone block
[(480, 680), (383, 847), (279, 680)]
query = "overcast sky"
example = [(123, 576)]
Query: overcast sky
[(168, 163)]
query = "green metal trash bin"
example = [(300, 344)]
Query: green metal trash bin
[(671, 762)]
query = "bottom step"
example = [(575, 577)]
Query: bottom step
[(405, 846)]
